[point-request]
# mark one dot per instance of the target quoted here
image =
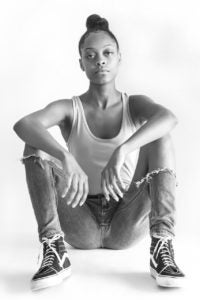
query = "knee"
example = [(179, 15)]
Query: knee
[(30, 151), (38, 156), (31, 154)]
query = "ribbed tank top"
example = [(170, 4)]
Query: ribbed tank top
[(92, 153)]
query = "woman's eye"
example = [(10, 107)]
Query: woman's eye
[(90, 56), (108, 53)]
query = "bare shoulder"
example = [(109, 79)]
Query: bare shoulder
[(143, 107), (52, 114), (63, 106), (60, 110)]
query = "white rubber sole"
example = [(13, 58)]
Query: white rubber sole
[(50, 281), (167, 281)]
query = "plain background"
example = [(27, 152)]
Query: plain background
[(160, 45)]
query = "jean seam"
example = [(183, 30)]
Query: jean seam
[(47, 168), (54, 185), (153, 227), (56, 168), (91, 213)]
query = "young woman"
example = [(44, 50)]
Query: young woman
[(117, 179)]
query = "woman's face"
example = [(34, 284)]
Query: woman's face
[(100, 58)]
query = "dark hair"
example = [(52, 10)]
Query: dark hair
[(95, 23)]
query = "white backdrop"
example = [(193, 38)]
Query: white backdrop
[(160, 44)]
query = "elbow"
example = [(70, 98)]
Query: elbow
[(16, 127), (173, 119), (19, 126), (170, 119)]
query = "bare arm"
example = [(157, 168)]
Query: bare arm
[(32, 129), (156, 119)]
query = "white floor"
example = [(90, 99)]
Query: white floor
[(97, 274)]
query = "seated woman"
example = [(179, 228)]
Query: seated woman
[(116, 179)]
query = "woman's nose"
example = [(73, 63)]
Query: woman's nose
[(100, 62)]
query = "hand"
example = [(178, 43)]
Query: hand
[(111, 183), (76, 188)]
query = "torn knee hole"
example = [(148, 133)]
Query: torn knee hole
[(36, 159), (149, 175)]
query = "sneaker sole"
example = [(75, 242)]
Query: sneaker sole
[(167, 281), (50, 281)]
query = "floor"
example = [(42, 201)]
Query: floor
[(99, 273)]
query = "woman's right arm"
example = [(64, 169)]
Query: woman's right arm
[(32, 129)]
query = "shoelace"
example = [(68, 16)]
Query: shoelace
[(162, 247), (50, 252)]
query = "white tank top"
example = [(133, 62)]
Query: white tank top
[(92, 153)]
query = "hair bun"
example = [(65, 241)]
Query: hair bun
[(95, 22)]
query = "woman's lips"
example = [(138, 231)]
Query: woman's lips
[(101, 71)]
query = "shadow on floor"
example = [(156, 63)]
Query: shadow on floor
[(141, 281), (16, 283)]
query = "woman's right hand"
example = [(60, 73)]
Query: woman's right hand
[(76, 188)]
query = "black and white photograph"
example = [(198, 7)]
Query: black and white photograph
[(100, 149)]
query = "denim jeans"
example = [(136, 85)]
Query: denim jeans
[(147, 206)]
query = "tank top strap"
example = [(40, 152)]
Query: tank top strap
[(75, 121), (75, 106), (76, 110), (128, 119)]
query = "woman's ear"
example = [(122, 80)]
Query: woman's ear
[(81, 64)]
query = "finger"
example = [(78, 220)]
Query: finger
[(116, 188), (115, 185), (85, 194), (79, 194), (119, 180), (67, 186), (104, 189), (109, 186), (74, 187)]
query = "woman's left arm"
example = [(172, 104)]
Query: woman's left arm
[(156, 119), (154, 122)]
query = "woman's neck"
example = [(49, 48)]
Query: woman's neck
[(101, 96)]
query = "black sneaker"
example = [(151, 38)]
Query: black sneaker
[(55, 264), (162, 265)]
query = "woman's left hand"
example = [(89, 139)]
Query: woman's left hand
[(111, 182)]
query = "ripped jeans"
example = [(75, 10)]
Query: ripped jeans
[(147, 206)]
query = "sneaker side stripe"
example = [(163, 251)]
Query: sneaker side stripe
[(62, 260)]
